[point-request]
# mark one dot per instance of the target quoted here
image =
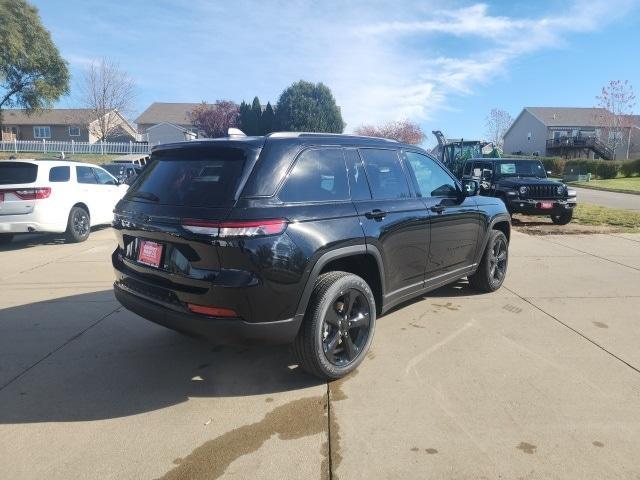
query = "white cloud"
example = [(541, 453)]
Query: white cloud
[(384, 60)]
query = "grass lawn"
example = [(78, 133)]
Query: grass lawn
[(88, 157), (628, 184), (587, 214)]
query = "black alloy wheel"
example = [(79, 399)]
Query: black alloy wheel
[(345, 329), (338, 327)]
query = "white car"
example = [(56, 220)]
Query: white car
[(55, 196)]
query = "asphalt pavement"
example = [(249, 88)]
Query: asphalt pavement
[(625, 201)]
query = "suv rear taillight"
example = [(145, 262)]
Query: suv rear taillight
[(30, 193), (252, 228)]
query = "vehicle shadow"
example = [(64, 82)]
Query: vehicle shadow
[(121, 365), (29, 240), (459, 288)]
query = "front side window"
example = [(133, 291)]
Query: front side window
[(385, 174), (41, 132), (431, 179), (85, 175), (59, 174), (103, 177), (74, 131), (319, 175)]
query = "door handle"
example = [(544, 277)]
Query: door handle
[(438, 208), (376, 214)]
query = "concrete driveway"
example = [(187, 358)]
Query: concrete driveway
[(625, 201), (539, 380)]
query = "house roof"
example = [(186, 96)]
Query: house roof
[(158, 112), (172, 125), (57, 116), (568, 116)]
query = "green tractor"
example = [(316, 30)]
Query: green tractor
[(454, 152)]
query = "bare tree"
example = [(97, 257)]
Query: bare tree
[(215, 120), (497, 123), (617, 101), (106, 89), (403, 131)]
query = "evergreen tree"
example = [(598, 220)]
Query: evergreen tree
[(308, 107), (268, 119), (256, 118)]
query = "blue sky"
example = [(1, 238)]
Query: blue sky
[(444, 64)]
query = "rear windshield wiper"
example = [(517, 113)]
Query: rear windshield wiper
[(147, 196)]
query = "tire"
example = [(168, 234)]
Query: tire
[(563, 218), (334, 338), (492, 270), (78, 225), (5, 238)]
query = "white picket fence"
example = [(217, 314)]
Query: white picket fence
[(72, 147)]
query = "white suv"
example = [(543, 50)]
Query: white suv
[(55, 196)]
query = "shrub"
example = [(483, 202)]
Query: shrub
[(630, 168), (607, 169), (554, 164)]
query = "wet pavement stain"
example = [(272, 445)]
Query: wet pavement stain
[(598, 444), (336, 394), (415, 325), (268, 400), (601, 325), (371, 355), (431, 451), (448, 306), (290, 421), (415, 449), (527, 448), (512, 308)]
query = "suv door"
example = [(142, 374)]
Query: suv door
[(454, 218), (393, 220), (89, 192)]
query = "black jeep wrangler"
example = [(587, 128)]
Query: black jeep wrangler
[(523, 186), (299, 238)]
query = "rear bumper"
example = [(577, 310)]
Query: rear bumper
[(28, 223), (533, 206), (215, 330)]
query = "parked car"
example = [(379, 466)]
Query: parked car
[(55, 196), (137, 159), (125, 173), (523, 186), (303, 238)]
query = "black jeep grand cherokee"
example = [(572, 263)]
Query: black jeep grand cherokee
[(302, 238), (523, 186)]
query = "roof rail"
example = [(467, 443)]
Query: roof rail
[(320, 134)]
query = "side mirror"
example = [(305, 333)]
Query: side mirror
[(470, 187), (549, 172)]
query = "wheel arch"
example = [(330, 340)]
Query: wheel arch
[(362, 260)]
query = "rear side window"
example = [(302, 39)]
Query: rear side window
[(85, 175), (17, 172), (386, 178), (192, 177), (318, 175), (59, 174)]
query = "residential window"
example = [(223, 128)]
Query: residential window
[(74, 131), (41, 132), (529, 136)]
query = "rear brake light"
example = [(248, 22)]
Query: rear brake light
[(253, 228), (31, 193), (212, 311)]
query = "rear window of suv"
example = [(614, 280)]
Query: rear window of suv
[(192, 178), (17, 172)]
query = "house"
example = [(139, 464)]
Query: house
[(570, 132), (158, 118), (166, 132), (63, 124)]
